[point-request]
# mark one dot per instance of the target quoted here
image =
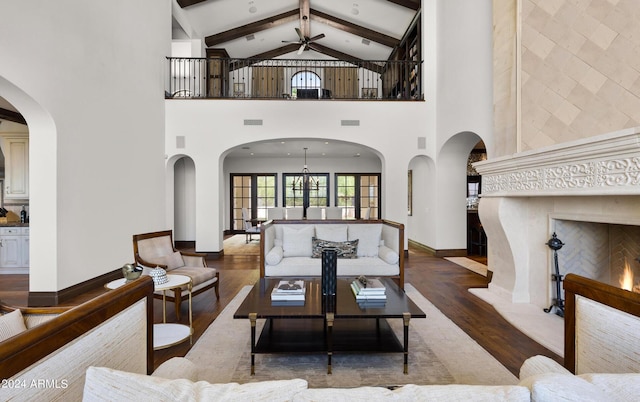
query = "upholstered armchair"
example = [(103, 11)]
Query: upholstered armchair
[(156, 249)]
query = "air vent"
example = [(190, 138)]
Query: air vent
[(250, 37), (349, 122), (422, 142), (252, 122), (366, 42), (180, 141)]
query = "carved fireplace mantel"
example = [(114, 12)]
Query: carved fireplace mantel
[(608, 164)]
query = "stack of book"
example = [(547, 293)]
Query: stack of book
[(369, 291), (288, 293)]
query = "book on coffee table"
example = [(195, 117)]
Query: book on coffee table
[(369, 286), (367, 296), (292, 290)]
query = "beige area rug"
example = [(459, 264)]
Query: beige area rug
[(469, 264), (237, 245), (439, 353)]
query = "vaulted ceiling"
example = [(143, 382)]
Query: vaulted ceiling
[(357, 29)]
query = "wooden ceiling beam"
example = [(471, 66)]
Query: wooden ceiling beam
[(412, 4), (252, 28), (187, 3), (347, 57), (354, 29), (257, 58), (304, 18), (10, 115)]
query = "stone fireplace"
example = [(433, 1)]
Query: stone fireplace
[(587, 191)]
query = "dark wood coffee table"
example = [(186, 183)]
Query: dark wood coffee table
[(327, 326)]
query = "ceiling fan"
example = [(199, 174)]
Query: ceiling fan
[(304, 41)]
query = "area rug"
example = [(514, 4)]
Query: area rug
[(439, 353), (237, 245)]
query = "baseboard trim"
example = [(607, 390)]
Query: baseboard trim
[(439, 253), (46, 299)]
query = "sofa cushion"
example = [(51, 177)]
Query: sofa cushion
[(274, 256), (177, 367), (174, 260), (369, 236), (351, 267), (345, 249), (296, 242), (332, 232), (459, 392), (624, 387), (105, 384), (562, 387), (388, 255), (11, 324)]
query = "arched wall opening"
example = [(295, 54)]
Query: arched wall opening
[(420, 200), (451, 182), (282, 156), (43, 211)]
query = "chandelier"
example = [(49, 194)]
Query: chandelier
[(305, 182)]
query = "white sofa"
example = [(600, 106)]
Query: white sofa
[(287, 248)]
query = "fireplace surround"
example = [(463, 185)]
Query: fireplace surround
[(588, 191)]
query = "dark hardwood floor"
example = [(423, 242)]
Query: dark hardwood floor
[(444, 283)]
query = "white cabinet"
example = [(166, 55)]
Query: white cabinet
[(16, 161), (14, 248)]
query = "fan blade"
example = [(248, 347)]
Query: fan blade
[(291, 41), (310, 46), (301, 49), (317, 37), (299, 32)]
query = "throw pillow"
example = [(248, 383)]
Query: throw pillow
[(274, 256), (332, 232), (296, 242), (174, 260), (388, 255), (369, 236), (346, 249), (11, 324)]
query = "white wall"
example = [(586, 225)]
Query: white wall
[(89, 82)]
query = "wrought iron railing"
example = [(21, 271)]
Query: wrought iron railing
[(293, 79)]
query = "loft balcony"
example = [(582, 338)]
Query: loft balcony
[(230, 78)]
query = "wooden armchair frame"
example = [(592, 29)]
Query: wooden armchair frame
[(177, 300)]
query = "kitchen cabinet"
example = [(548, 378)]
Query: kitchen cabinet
[(14, 249), (16, 160)]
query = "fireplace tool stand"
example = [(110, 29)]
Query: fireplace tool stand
[(558, 304)]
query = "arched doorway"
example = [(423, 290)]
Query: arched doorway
[(184, 202)]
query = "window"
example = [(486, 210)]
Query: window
[(256, 192), (318, 194), (305, 84), (357, 191)]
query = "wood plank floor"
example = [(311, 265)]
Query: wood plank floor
[(444, 283)]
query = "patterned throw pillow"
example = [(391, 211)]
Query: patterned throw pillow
[(346, 249)]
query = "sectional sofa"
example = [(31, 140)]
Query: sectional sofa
[(366, 247), (102, 350)]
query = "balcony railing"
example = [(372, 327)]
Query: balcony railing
[(226, 78)]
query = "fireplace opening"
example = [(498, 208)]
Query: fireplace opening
[(606, 252)]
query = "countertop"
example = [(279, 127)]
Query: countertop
[(13, 225)]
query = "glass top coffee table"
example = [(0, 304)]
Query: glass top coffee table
[(323, 325)]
